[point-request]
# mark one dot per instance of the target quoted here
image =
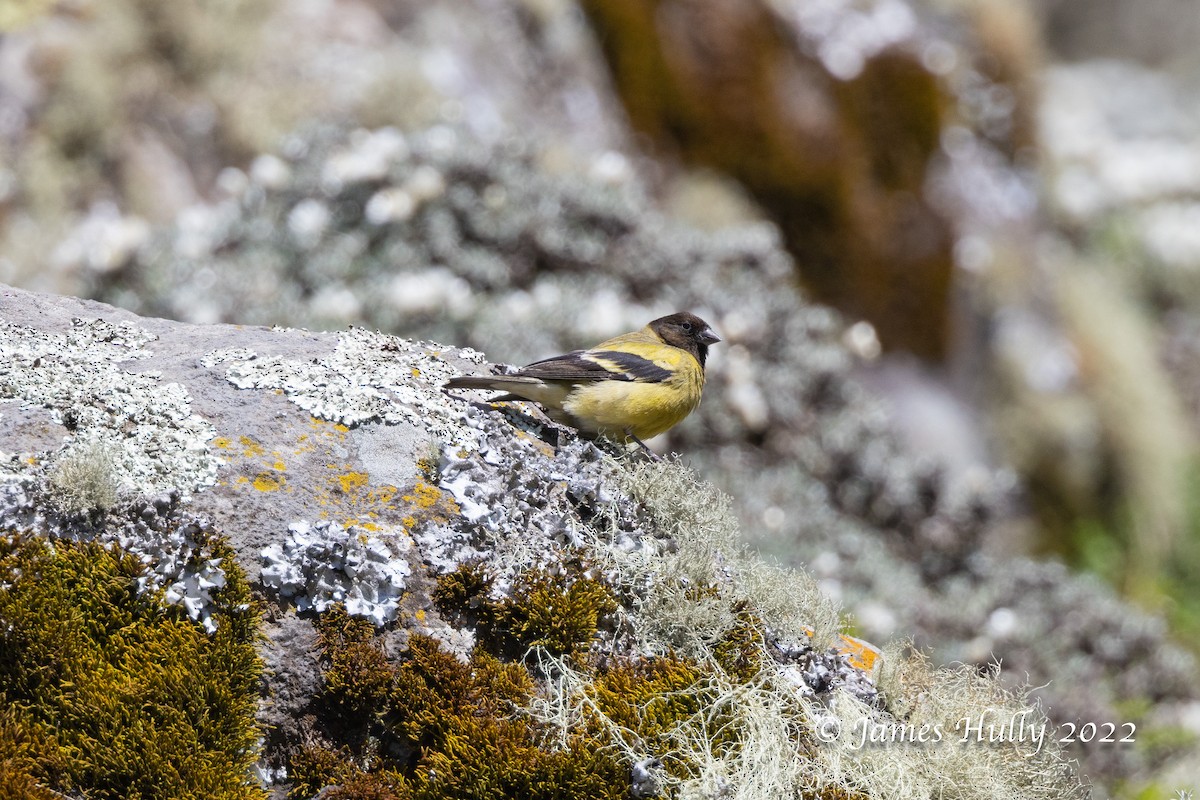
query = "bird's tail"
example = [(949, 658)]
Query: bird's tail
[(549, 394), (518, 387), (471, 382)]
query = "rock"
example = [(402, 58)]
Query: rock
[(349, 483)]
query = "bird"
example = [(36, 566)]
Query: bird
[(632, 387)]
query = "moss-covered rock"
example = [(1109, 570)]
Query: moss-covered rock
[(701, 679), (110, 693)]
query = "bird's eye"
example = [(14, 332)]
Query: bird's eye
[(687, 326)]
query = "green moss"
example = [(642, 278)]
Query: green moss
[(560, 619), (359, 677), (312, 767), (315, 767), (1183, 571), (651, 698), (462, 591), (432, 688), (18, 760), (385, 785), (113, 693), (740, 651), (559, 615), (439, 727)]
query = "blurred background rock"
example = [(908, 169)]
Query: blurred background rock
[(953, 246)]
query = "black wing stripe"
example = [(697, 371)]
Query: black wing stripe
[(571, 367), (640, 369)]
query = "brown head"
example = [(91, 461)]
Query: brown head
[(687, 332)]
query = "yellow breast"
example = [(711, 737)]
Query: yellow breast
[(642, 409)]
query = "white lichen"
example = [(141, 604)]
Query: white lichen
[(325, 563), (370, 377), (175, 549), (156, 443)]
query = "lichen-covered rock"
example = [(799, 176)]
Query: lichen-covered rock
[(493, 242), (483, 183), (321, 565), (584, 588)]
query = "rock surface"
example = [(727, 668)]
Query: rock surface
[(344, 477)]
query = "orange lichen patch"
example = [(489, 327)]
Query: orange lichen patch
[(423, 495), (383, 494), (348, 497), (863, 655), (264, 472), (321, 433)]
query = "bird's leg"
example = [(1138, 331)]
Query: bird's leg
[(653, 456)]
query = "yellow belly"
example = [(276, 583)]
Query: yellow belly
[(621, 408)]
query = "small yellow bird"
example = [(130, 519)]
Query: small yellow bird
[(631, 387)]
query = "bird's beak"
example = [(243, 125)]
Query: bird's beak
[(708, 337)]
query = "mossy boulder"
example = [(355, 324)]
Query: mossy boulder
[(592, 615)]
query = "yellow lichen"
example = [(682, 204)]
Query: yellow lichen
[(860, 653), (426, 502), (352, 481), (423, 495), (266, 482)]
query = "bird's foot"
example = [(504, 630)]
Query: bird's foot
[(653, 456)]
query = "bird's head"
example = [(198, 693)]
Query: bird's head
[(687, 332)]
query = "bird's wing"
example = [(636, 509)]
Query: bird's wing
[(644, 356), (597, 365), (633, 366), (578, 365)]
